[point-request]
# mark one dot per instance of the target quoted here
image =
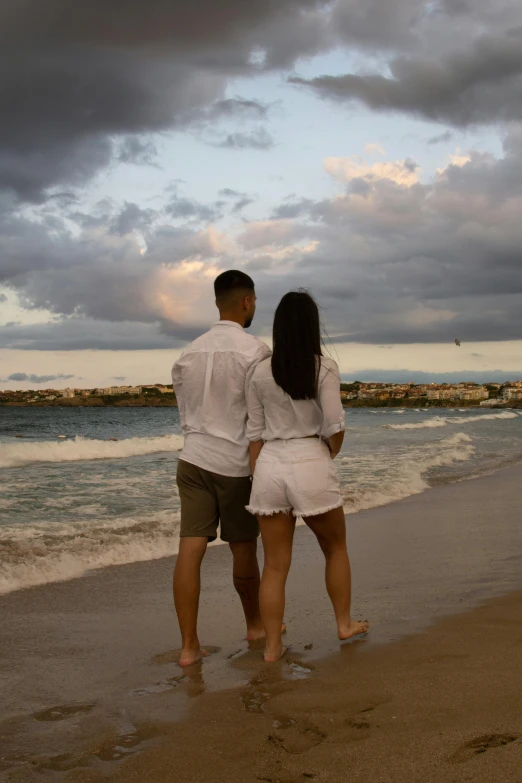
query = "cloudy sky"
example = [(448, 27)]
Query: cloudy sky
[(368, 150)]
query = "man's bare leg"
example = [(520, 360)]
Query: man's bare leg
[(187, 586), (330, 531), (246, 582)]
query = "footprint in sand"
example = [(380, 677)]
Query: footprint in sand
[(258, 693), (62, 712), (172, 656), (255, 700), (294, 737), (124, 745), (115, 749), (480, 745)]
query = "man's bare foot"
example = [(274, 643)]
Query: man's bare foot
[(254, 634), (271, 656), (354, 628), (191, 656)]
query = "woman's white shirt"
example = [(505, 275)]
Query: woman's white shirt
[(274, 415)]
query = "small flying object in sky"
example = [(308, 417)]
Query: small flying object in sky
[(457, 342)]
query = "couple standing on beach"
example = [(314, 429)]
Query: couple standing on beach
[(276, 417)]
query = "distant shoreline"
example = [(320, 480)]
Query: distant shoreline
[(421, 402), (96, 402), (169, 402)]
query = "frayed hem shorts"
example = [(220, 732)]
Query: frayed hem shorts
[(295, 476)]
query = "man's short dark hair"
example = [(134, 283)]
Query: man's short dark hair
[(231, 281)]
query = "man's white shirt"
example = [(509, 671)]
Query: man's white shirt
[(211, 380)]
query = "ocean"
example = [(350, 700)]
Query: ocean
[(73, 504)]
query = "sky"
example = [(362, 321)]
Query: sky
[(367, 150)]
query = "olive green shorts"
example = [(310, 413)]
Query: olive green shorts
[(209, 499)]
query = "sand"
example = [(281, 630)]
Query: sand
[(88, 674), (445, 705)]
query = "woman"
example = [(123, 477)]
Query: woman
[(295, 428)]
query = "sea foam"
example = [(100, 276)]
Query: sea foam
[(41, 553), (443, 421), (13, 455), (403, 476)]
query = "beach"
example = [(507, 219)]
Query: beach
[(90, 688)]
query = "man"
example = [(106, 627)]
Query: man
[(210, 380)]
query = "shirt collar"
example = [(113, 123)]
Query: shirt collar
[(228, 323)]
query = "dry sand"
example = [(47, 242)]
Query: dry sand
[(88, 674)]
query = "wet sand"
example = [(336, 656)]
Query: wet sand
[(87, 671), (444, 705)]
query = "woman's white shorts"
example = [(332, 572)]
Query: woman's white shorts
[(295, 476)]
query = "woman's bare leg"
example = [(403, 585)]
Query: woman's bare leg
[(277, 533), (330, 531)]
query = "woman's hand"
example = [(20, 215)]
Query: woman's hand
[(254, 450), (334, 443)]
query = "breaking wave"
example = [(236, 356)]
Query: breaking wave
[(43, 552), (14, 455), (443, 421), (38, 554), (403, 477)]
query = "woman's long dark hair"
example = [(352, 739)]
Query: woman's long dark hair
[(297, 345)]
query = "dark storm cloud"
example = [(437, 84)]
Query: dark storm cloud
[(461, 90), (78, 334), (81, 84), (31, 378), (99, 269), (201, 25), (423, 262), (84, 85), (489, 326), (419, 263), (453, 63)]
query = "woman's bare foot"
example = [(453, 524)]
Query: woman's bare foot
[(353, 628), (254, 634), (271, 656), (188, 657)]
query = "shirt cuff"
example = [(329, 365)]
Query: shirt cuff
[(333, 429)]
